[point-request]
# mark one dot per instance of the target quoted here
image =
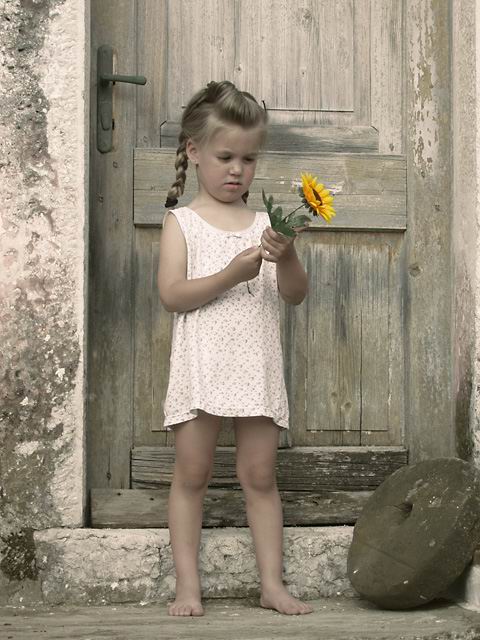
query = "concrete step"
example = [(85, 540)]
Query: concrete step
[(107, 566), (242, 619), (110, 566)]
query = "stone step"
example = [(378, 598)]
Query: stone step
[(110, 566)]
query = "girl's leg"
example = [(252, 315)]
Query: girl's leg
[(257, 443), (195, 442)]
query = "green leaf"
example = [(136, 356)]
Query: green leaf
[(277, 214), (299, 221), (284, 228), (265, 201)]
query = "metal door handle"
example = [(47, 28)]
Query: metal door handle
[(105, 81), (108, 77)]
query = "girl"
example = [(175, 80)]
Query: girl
[(219, 267)]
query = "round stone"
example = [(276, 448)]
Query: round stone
[(416, 533)]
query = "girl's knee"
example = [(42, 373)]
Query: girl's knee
[(193, 477), (256, 477)]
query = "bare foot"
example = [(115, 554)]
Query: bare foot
[(280, 600), (187, 603)]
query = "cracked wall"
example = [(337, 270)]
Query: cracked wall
[(43, 189)]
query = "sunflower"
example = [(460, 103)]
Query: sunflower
[(316, 197)]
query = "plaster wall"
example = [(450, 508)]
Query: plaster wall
[(43, 247)]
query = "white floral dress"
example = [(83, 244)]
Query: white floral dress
[(226, 356)]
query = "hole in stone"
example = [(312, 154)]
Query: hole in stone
[(405, 507)]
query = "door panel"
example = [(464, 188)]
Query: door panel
[(343, 346), (111, 234)]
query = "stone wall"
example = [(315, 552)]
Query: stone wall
[(43, 190)]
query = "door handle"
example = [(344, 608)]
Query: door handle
[(105, 81)]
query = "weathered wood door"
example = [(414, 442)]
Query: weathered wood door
[(332, 76)]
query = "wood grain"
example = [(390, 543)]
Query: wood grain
[(369, 189), (300, 468), (110, 322), (144, 508)]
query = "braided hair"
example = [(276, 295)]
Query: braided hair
[(212, 108)]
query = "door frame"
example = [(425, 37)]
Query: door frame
[(428, 146)]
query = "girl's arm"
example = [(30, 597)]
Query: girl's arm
[(177, 293), (292, 279), (186, 295)]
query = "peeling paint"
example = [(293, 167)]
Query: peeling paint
[(425, 53), (429, 311)]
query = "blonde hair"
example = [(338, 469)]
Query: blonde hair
[(211, 109)]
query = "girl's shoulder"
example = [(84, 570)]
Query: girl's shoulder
[(181, 213), (181, 216)]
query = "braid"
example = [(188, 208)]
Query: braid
[(181, 165)]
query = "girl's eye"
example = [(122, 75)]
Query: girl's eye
[(226, 158)]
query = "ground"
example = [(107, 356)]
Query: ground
[(242, 619)]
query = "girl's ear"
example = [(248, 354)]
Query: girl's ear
[(191, 151)]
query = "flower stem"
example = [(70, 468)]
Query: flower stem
[(287, 217)]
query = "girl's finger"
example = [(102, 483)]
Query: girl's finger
[(266, 255), (278, 237), (300, 229), (271, 244)]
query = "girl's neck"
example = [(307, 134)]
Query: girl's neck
[(202, 202)]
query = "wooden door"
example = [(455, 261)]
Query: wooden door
[(335, 100)]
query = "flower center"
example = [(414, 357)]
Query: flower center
[(317, 195)]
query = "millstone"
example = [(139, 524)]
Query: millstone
[(416, 533)]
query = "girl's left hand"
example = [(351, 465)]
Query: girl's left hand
[(276, 246)]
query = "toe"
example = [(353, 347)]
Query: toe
[(197, 611)]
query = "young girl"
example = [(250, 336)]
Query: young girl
[(219, 267)]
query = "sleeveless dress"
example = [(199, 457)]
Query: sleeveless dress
[(226, 356)]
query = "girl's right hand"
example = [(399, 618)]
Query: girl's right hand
[(246, 265)]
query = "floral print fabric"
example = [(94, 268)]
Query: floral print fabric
[(226, 356)]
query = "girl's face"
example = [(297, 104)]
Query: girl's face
[(226, 164)]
